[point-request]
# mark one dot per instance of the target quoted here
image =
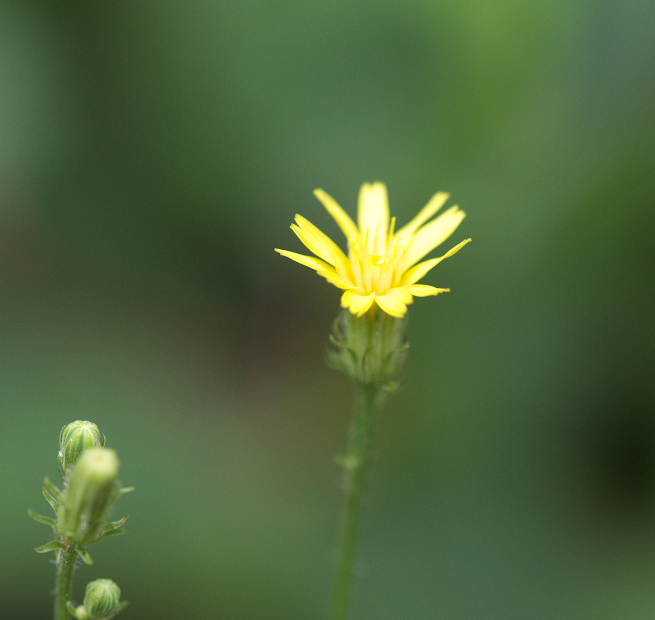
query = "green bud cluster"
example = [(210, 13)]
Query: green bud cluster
[(371, 349), (101, 601), (82, 508)]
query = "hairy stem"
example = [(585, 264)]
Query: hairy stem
[(354, 464), (64, 582)]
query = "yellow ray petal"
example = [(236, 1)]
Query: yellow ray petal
[(346, 224), (356, 301), (433, 234), (394, 303), (319, 243), (336, 279), (436, 202), (403, 294), (417, 272), (308, 261), (373, 214), (425, 290)]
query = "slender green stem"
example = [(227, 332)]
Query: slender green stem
[(354, 464), (64, 582)]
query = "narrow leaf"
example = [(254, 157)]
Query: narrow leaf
[(108, 533), (55, 545), (123, 491), (114, 525), (50, 499), (53, 488), (84, 554), (41, 518)]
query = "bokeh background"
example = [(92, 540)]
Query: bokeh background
[(152, 155)]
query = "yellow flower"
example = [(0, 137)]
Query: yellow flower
[(381, 267)]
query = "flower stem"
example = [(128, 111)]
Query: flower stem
[(64, 582), (354, 464)]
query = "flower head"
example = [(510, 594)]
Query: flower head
[(382, 266)]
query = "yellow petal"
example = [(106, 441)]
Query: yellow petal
[(334, 278), (424, 290), (436, 202), (417, 272), (433, 234), (394, 303), (373, 214), (319, 243), (403, 294), (308, 261), (346, 224), (356, 301)]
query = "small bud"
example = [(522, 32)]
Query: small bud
[(102, 599), (84, 507), (74, 439), (370, 348)]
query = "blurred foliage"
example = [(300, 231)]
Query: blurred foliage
[(152, 154)]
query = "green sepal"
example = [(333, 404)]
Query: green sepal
[(55, 545), (42, 519), (370, 348), (85, 557)]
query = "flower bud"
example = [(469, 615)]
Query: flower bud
[(102, 599), (74, 439), (370, 348), (84, 507)]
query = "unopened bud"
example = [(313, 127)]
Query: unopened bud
[(84, 507), (74, 439), (102, 599)]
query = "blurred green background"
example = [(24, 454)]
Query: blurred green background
[(152, 155)]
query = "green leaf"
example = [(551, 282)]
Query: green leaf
[(55, 545), (114, 528), (114, 525), (50, 499), (73, 612), (84, 554), (42, 519), (54, 490), (123, 491)]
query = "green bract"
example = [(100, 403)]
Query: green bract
[(371, 349)]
